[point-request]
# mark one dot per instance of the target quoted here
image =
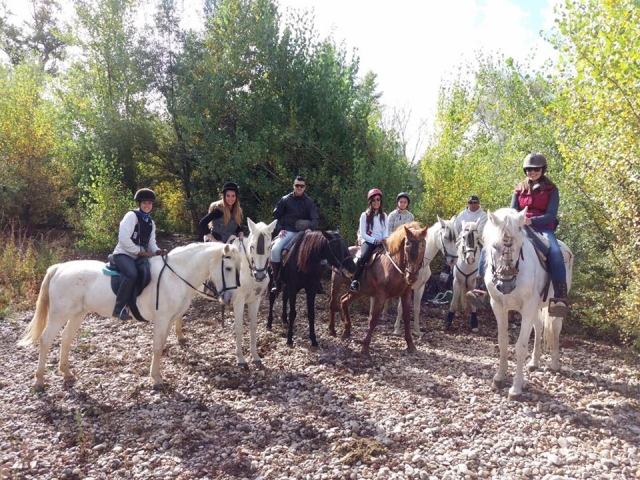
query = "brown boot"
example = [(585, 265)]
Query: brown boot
[(559, 304), (478, 297), (277, 284)]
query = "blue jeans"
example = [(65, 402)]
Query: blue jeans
[(278, 243), (127, 266), (555, 258)]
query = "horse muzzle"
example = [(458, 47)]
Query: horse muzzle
[(505, 286)]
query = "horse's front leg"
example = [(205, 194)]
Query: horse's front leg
[(405, 300), (502, 319), (453, 306), (252, 310), (311, 313), (345, 301), (537, 342), (238, 312), (292, 313), (161, 326), (334, 302), (374, 317), (529, 316)]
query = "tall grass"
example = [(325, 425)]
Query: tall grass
[(24, 259)]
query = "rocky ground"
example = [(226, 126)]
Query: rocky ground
[(326, 413)]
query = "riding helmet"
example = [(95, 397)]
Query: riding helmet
[(372, 192), (144, 194), (403, 195), (230, 186), (535, 160)]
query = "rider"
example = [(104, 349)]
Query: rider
[(136, 239), (294, 212), (374, 228), (541, 197), (223, 222), (472, 213), (400, 215)]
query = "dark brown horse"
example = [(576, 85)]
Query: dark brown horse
[(390, 274)]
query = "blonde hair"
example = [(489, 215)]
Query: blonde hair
[(226, 211)]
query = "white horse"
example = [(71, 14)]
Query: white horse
[(441, 237), (516, 280), (71, 290), (464, 273), (254, 252)]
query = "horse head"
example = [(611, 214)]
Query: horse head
[(338, 254), (469, 244), (414, 246), (447, 237), (224, 269), (504, 236), (259, 249)]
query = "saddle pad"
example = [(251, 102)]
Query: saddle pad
[(106, 269)]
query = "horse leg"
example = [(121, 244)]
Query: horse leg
[(374, 316), (272, 299), (238, 312), (345, 301), (453, 306), (54, 324), (405, 300), (397, 327), (417, 303), (552, 326), (252, 310), (68, 333), (292, 314), (178, 329), (502, 319), (311, 313), (160, 327), (537, 342), (334, 296), (522, 349), (285, 300)]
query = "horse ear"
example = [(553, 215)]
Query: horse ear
[(326, 234), (492, 218), (522, 216), (251, 224), (441, 222), (272, 226)]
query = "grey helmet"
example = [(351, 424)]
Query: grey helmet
[(403, 195), (535, 160)]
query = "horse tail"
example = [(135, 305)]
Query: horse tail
[(548, 336), (39, 320)]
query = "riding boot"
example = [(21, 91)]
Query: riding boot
[(275, 269), (355, 284), (559, 304), (319, 289), (478, 297), (122, 298)]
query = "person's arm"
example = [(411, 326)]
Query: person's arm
[(203, 226), (278, 213), (551, 213), (391, 220), (363, 229), (313, 214), (385, 227), (152, 247), (515, 201), (125, 232)]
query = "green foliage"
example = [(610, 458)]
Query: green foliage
[(104, 203)]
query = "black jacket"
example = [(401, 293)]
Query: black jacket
[(290, 209)]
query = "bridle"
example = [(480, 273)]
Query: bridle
[(336, 261), (444, 251), (507, 271), (408, 272), (258, 273)]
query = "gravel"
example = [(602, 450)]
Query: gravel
[(326, 413)]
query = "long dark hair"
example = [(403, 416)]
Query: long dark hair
[(371, 214), (526, 185)]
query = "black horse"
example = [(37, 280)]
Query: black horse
[(303, 269)]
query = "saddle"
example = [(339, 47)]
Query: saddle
[(144, 278), (379, 250), (541, 247), (291, 243)]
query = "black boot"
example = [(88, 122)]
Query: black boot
[(355, 284), (478, 297), (319, 289), (124, 295), (277, 284), (559, 304)]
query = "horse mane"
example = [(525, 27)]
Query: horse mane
[(509, 225), (395, 241), (307, 248)]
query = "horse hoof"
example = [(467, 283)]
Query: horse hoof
[(290, 345), (499, 384), (243, 365), (417, 334), (269, 327), (532, 367), (158, 386), (69, 380), (38, 388), (412, 350), (555, 366), (182, 341), (314, 344), (345, 335), (258, 364), (333, 333), (515, 397), (398, 332)]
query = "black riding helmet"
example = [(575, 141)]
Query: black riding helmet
[(144, 194), (230, 186), (405, 195)]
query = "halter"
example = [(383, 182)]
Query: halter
[(507, 272), (446, 254), (258, 273)]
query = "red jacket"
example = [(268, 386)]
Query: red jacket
[(538, 203)]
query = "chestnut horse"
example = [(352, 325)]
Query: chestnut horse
[(390, 275)]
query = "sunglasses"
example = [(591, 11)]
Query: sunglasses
[(474, 202), (533, 169), (297, 185), (376, 199)]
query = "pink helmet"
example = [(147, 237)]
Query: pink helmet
[(372, 192)]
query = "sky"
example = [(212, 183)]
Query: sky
[(414, 45)]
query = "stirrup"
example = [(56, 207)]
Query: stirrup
[(123, 315), (354, 286), (558, 307)]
